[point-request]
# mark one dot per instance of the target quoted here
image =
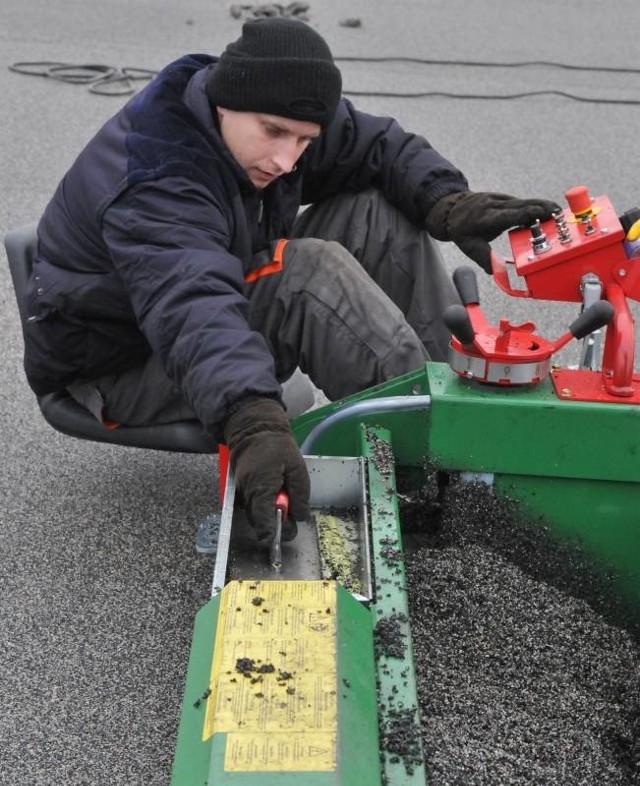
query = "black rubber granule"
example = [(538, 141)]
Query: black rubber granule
[(245, 666), (520, 680), (388, 638), (399, 737)]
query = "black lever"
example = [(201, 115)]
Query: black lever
[(466, 283), (455, 317), (592, 318)]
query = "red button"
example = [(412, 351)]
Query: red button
[(579, 200)]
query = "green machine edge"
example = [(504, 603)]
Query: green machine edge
[(572, 466)]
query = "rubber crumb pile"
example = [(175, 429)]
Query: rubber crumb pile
[(520, 679)]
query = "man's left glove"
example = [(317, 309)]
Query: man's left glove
[(472, 219), (266, 459)]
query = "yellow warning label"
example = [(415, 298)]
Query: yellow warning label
[(273, 676), (278, 751)]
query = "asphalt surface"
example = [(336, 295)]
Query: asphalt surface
[(99, 581)]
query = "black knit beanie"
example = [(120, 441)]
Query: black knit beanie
[(280, 67)]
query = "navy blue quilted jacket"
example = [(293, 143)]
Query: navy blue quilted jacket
[(147, 239)]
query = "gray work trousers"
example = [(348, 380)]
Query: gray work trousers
[(359, 301)]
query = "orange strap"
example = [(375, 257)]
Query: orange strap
[(274, 266)]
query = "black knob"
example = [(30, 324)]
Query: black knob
[(592, 318), (466, 283), (455, 317), (629, 218)]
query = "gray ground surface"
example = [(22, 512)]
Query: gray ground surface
[(98, 579)]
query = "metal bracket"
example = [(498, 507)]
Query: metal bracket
[(591, 351)]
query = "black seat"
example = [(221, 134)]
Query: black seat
[(64, 414)]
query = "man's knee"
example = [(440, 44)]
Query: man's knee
[(323, 268)]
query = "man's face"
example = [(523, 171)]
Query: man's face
[(265, 146)]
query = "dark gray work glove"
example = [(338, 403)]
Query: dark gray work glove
[(265, 459), (471, 220)]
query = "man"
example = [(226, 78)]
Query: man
[(164, 286)]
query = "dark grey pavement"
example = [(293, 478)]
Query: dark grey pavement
[(99, 581)]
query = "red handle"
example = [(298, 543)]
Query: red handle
[(282, 503)]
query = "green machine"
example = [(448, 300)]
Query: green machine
[(301, 671), (288, 668)]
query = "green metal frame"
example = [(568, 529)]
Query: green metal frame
[(573, 466), (398, 707), (377, 701), (191, 761), (530, 431)]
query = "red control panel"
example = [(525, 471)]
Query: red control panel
[(552, 260)]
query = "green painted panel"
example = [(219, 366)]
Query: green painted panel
[(191, 762), (529, 431), (398, 707), (601, 518), (358, 745)]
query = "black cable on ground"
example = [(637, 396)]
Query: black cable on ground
[(491, 97), (100, 79), (108, 80), (488, 63)]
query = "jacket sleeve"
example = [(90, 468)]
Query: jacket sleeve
[(168, 241), (358, 151)]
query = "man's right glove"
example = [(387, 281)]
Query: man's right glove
[(265, 459), (472, 219)]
